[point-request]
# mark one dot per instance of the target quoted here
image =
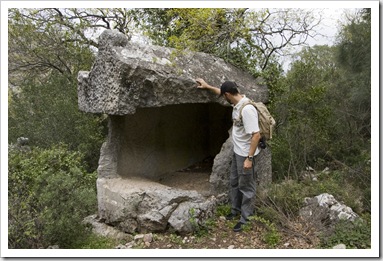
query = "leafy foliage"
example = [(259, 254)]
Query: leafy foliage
[(354, 55), (223, 210), (283, 200), (46, 53), (355, 234), (355, 42), (94, 241), (49, 194), (47, 114), (271, 237), (305, 113), (200, 229), (39, 43), (243, 37), (323, 112)]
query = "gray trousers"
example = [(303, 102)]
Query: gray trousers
[(242, 188)]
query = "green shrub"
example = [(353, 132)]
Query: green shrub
[(285, 198), (223, 210), (49, 194), (338, 184), (281, 202), (270, 213), (271, 237), (355, 234), (47, 113), (93, 241), (200, 229)]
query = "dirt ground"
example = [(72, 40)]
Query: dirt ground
[(195, 177)]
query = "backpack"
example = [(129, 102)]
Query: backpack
[(265, 120)]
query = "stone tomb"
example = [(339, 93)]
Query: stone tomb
[(166, 160)]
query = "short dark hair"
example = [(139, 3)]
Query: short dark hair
[(230, 87)]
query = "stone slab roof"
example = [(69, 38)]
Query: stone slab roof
[(128, 75)]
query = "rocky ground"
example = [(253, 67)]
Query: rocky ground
[(220, 235)]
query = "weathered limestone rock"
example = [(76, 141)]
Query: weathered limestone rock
[(325, 208), (339, 246), (219, 182), (159, 122), (127, 76), (103, 229), (323, 212), (143, 205)]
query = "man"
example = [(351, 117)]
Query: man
[(246, 138)]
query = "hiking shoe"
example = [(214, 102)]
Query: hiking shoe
[(238, 227), (231, 216)]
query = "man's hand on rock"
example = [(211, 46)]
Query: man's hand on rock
[(201, 83)]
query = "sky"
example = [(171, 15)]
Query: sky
[(329, 26), (327, 29)]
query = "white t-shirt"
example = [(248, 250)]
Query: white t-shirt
[(242, 132)]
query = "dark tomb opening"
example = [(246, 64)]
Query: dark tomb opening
[(174, 145)]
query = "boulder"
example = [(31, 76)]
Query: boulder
[(138, 205), (325, 210), (100, 228), (219, 182)]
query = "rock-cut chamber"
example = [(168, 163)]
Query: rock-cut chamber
[(174, 145)]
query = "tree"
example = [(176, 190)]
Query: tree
[(47, 114), (324, 110), (305, 112), (41, 40), (251, 39), (48, 47), (354, 56), (354, 42), (245, 37)]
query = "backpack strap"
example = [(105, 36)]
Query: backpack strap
[(238, 121), (243, 106)]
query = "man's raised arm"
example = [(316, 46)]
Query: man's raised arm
[(203, 85)]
